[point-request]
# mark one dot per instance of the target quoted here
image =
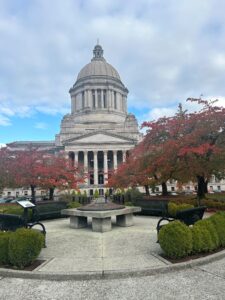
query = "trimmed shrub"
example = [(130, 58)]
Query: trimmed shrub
[(201, 239), (175, 239), (132, 195), (74, 204), (210, 227), (24, 247), (4, 247), (173, 208), (218, 221)]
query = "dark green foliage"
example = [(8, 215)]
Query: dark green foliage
[(74, 204), (175, 239), (132, 195), (218, 221), (173, 208), (24, 247), (4, 247)]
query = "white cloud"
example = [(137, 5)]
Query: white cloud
[(4, 121), (165, 51)]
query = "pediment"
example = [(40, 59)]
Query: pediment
[(99, 138)]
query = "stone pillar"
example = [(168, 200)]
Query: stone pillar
[(105, 167), (86, 166), (75, 158), (85, 98), (115, 159), (96, 167), (124, 155), (89, 98)]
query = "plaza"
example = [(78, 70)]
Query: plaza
[(124, 263)]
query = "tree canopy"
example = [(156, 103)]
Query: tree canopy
[(189, 146)]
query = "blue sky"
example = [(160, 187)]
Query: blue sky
[(165, 51)]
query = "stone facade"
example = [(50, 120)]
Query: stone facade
[(99, 131)]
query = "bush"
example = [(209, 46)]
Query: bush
[(218, 221), (173, 208), (175, 239), (74, 204), (24, 247), (4, 247), (210, 227), (132, 195), (202, 240)]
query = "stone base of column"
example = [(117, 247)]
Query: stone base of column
[(101, 225), (78, 222), (125, 220)]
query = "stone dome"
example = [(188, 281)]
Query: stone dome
[(98, 66)]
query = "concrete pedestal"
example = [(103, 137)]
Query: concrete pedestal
[(78, 222), (101, 225), (125, 220)]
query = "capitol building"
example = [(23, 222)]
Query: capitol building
[(98, 131)]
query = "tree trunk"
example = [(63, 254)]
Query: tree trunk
[(51, 193), (164, 189), (147, 190), (33, 192), (202, 187), (206, 187)]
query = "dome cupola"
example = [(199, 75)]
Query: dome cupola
[(98, 91)]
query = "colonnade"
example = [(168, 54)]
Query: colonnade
[(99, 98), (98, 164)]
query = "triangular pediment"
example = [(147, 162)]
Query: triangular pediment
[(99, 138)]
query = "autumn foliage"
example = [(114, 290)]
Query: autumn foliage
[(34, 168), (184, 147)]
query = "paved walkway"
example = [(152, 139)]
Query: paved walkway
[(125, 259), (81, 251)]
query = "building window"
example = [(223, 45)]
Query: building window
[(218, 188), (93, 99), (104, 99), (9, 193), (172, 188), (17, 194), (25, 193), (99, 98), (82, 100), (115, 102)]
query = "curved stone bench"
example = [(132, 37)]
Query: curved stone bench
[(101, 220)]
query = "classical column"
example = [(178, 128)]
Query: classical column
[(124, 155), (85, 98), (75, 158), (89, 98), (105, 167), (96, 167), (86, 166), (115, 159)]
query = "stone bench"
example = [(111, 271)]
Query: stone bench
[(101, 220)]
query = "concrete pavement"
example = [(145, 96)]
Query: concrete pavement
[(125, 259)]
